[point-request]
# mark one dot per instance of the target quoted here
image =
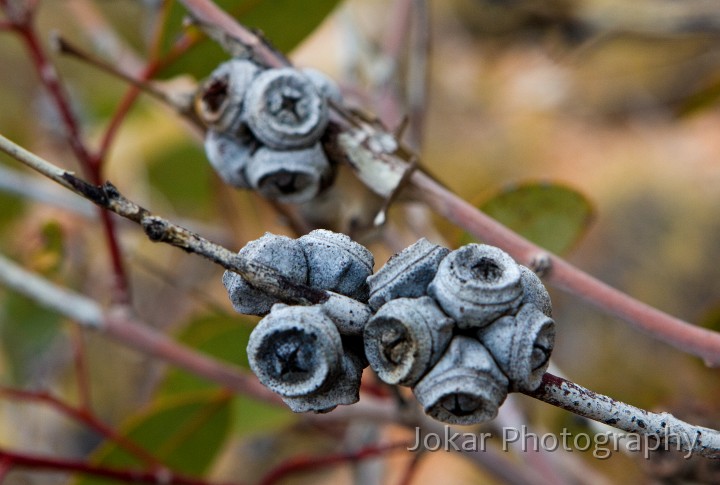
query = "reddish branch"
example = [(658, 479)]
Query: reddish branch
[(561, 274), (21, 22), (152, 67), (82, 416), (411, 468), (302, 464), (81, 371), (38, 463)]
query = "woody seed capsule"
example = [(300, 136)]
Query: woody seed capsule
[(521, 345), (405, 338), (465, 386), (477, 284)]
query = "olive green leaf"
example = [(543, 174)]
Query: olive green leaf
[(550, 215), (185, 433)]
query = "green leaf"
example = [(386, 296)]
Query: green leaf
[(705, 98), (222, 337), (550, 215), (27, 332), (181, 174), (252, 416), (711, 318), (226, 338), (12, 207), (285, 23), (184, 433)]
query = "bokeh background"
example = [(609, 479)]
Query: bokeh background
[(615, 100)]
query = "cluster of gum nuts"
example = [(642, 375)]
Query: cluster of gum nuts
[(461, 328), (265, 126)]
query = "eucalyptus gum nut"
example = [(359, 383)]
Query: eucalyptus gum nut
[(229, 156), (521, 345), (285, 110), (343, 390), (219, 101), (534, 291), (405, 338), (292, 176), (465, 386), (477, 284), (407, 274), (337, 263), (280, 253), (348, 315), (324, 84), (296, 350)]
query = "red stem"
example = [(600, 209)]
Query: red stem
[(81, 371), (411, 468), (308, 463), (82, 416), (5, 468), (159, 477), (91, 165)]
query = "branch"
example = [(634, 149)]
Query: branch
[(689, 338), (561, 274), (304, 463), (83, 417), (664, 427), (129, 332), (35, 462), (162, 230), (225, 30)]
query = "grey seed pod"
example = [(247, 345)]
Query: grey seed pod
[(477, 284), (280, 253), (295, 350), (348, 315), (407, 274), (534, 291), (344, 389), (324, 84), (337, 263), (405, 338), (292, 176), (284, 109), (229, 156), (219, 100), (521, 345), (465, 386)]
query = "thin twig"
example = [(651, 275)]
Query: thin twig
[(65, 47), (35, 462), (411, 468), (81, 370), (82, 416), (418, 73), (102, 35), (307, 464)]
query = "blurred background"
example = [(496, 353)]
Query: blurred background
[(617, 101)]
